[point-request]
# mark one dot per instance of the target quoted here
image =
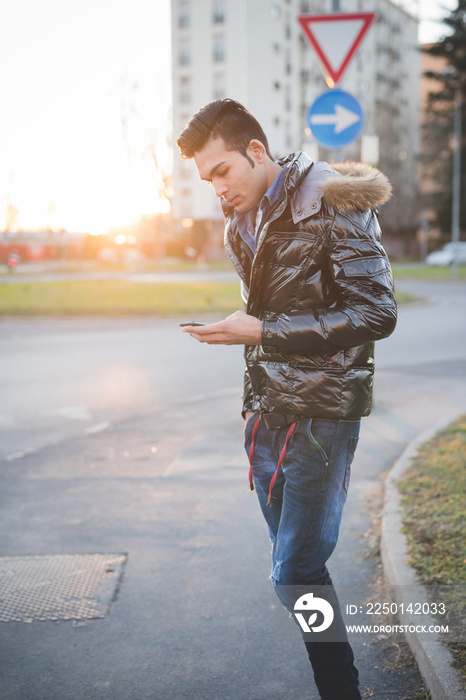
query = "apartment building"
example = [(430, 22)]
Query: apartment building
[(255, 52)]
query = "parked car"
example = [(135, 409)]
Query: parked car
[(114, 255), (444, 256)]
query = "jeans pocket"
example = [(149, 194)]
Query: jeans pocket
[(321, 432), (351, 450)]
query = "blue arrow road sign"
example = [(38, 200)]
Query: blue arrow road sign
[(335, 118)]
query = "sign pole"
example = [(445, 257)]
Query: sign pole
[(455, 214)]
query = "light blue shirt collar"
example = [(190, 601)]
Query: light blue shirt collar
[(251, 221)]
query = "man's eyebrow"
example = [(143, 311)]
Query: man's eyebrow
[(214, 170)]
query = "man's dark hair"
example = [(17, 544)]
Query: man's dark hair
[(227, 119)]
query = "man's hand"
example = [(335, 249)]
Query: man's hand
[(237, 329)]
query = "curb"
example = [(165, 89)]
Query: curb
[(433, 658)]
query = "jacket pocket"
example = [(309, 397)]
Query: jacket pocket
[(371, 266)]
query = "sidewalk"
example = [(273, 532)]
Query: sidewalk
[(55, 271)]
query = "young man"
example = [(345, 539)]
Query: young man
[(318, 291)]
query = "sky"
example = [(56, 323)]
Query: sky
[(85, 87), (86, 97)]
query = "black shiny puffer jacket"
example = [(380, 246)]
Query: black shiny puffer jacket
[(321, 283)]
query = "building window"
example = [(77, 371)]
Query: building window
[(184, 54), (304, 6), (219, 12), (289, 141), (185, 90), (219, 49), (219, 86), (184, 18), (288, 67), (288, 98)]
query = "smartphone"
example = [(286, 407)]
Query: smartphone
[(191, 323)]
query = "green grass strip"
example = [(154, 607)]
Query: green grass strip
[(433, 509), (434, 497), (120, 298), (405, 298), (415, 271)]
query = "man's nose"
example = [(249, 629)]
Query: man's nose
[(220, 188)]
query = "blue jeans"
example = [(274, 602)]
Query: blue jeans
[(304, 521)]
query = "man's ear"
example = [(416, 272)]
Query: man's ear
[(256, 150)]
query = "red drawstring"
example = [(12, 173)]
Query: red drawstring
[(251, 453), (281, 458)]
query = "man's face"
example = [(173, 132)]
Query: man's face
[(232, 175)]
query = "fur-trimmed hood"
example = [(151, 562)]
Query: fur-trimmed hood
[(344, 186), (361, 187)]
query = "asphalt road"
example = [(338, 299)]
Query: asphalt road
[(61, 377), (192, 618)]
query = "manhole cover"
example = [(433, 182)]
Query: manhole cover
[(58, 587)]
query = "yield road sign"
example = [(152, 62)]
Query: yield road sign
[(336, 37), (335, 118)]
